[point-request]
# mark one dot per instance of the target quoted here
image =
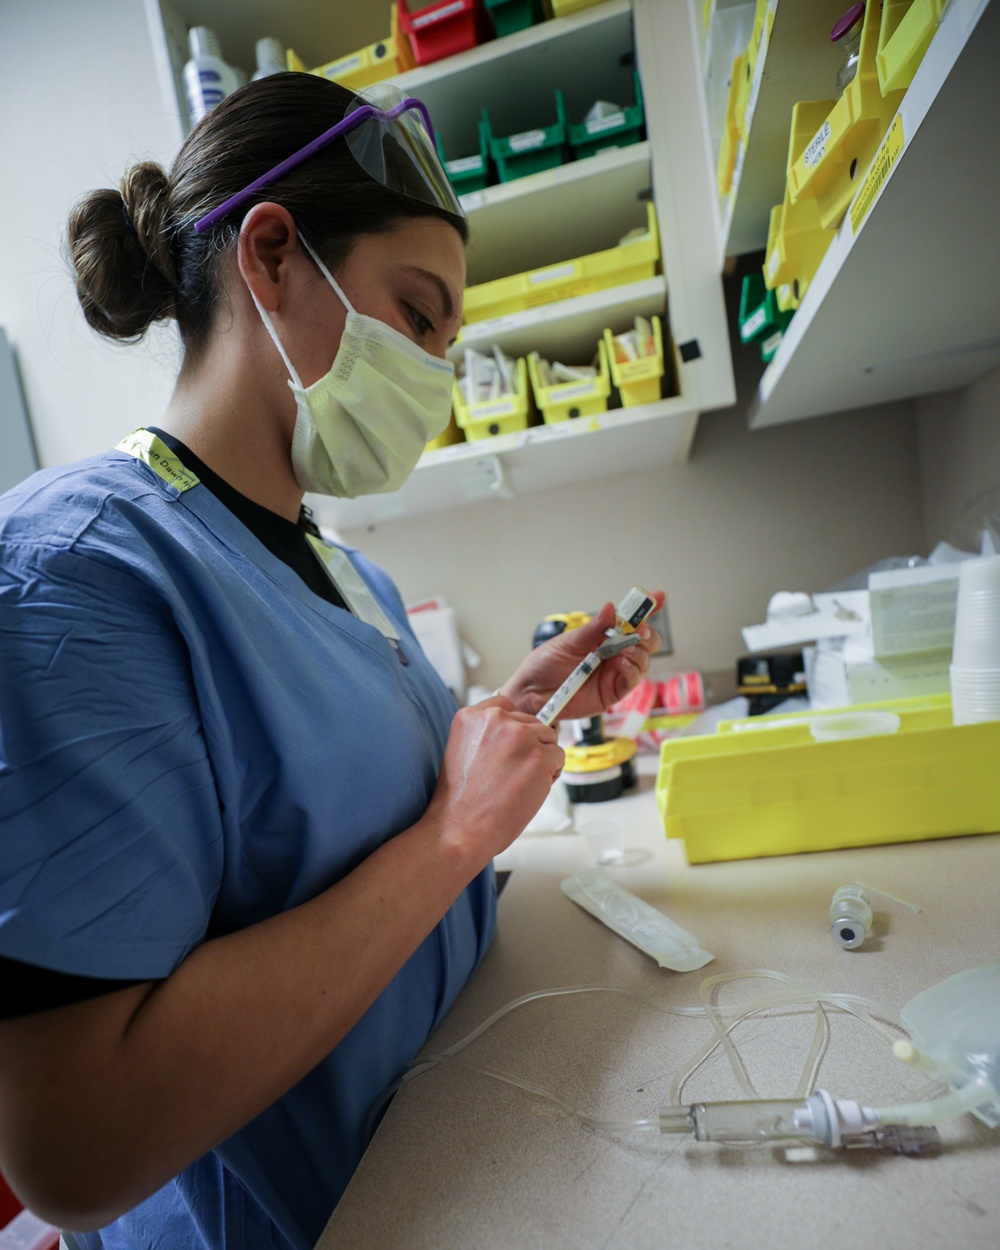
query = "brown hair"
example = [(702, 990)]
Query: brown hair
[(135, 254)]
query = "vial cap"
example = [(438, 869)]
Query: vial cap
[(847, 23)]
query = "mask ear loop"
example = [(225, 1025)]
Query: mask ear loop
[(269, 327), (325, 272)]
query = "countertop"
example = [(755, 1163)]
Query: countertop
[(462, 1160)]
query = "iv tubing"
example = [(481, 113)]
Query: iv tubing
[(798, 996)]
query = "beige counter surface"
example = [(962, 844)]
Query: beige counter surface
[(463, 1161)]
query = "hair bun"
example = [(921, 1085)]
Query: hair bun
[(119, 244)]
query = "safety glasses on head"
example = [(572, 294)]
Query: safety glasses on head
[(391, 137)]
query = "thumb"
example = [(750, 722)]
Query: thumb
[(591, 635)]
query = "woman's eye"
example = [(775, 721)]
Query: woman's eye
[(420, 322)]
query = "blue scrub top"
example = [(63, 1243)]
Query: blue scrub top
[(191, 741)]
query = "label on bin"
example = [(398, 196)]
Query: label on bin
[(344, 66), (774, 260), (885, 158), (464, 165), (574, 390), (435, 15), (816, 150), (526, 140), (605, 123), (753, 324), (495, 408), (553, 274)]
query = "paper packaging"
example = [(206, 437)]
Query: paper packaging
[(636, 921), (839, 678)]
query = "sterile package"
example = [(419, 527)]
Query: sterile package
[(636, 921)]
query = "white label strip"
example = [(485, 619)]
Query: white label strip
[(816, 150)]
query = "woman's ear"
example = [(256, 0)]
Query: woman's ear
[(267, 243)]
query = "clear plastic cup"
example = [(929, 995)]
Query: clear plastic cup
[(977, 615), (605, 836), (975, 695)]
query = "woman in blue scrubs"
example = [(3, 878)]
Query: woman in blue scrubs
[(245, 864)]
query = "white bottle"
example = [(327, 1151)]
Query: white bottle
[(270, 58), (207, 77)]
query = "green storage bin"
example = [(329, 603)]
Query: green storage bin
[(761, 320), (468, 173), (530, 150), (511, 15), (619, 130)]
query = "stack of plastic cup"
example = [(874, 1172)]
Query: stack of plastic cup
[(975, 661)]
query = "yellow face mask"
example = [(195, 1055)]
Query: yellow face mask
[(361, 428)]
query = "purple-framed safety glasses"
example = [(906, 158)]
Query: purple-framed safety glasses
[(390, 136)]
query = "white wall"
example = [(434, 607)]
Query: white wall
[(82, 393), (959, 448), (794, 507)]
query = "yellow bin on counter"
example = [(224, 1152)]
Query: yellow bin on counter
[(505, 415), (638, 381), (567, 400), (752, 789)]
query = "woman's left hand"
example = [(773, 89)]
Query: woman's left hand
[(547, 667)]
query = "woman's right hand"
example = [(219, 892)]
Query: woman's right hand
[(498, 768)]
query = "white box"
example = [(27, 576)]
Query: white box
[(834, 679)]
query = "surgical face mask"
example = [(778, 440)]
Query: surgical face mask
[(361, 428)]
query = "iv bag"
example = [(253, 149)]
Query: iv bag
[(957, 1024)]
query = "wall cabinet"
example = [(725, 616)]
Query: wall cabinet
[(904, 302), (543, 219)]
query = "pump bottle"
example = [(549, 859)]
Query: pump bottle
[(207, 77)]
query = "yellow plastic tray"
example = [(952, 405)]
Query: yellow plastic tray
[(629, 262), (638, 381), (572, 399), (796, 240), (776, 791), (495, 416), (372, 64), (907, 29), (833, 164)]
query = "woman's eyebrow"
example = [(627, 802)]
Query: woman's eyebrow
[(447, 300)]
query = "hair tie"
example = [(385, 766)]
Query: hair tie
[(127, 218)]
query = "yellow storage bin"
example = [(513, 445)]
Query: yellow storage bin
[(905, 34), (729, 147), (495, 416), (796, 239), (450, 435), (638, 381), (562, 8), (633, 261), (777, 791), (369, 65), (832, 165), (567, 400)]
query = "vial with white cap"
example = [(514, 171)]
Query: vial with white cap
[(850, 916)]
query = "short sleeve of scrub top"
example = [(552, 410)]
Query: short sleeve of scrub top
[(191, 741)]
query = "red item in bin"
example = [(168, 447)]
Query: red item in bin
[(444, 28), (684, 692)]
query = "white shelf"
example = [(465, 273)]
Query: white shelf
[(541, 458), (537, 219), (568, 329), (797, 62), (910, 304)]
